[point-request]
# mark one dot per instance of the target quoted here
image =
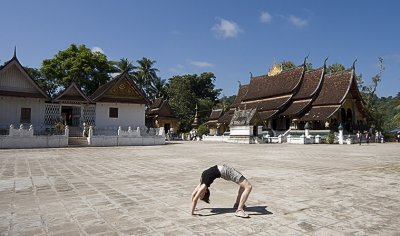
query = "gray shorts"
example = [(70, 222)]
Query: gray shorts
[(230, 174)]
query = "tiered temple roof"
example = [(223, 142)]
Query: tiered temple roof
[(297, 93), (303, 98)]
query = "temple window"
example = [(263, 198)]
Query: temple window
[(25, 115), (113, 113)]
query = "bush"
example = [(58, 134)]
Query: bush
[(59, 128), (330, 138), (202, 130)]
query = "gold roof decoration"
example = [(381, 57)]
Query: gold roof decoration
[(123, 88), (275, 69)]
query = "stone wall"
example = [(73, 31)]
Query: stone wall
[(24, 138), (128, 138)]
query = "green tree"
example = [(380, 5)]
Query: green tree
[(87, 69), (225, 102), (182, 100), (287, 65), (187, 91), (146, 75), (124, 65), (334, 68), (35, 74), (396, 117), (160, 87)]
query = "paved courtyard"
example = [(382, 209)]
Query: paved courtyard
[(297, 190)]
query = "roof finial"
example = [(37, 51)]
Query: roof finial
[(240, 84), (251, 75), (325, 61), (15, 51), (354, 64), (305, 59)]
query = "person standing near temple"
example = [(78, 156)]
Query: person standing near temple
[(367, 137), (359, 137)]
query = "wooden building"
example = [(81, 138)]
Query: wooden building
[(213, 124), (160, 114), (288, 99)]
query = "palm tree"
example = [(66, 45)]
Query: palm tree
[(124, 65), (146, 76), (159, 87)]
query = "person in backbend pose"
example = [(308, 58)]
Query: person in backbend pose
[(226, 172)]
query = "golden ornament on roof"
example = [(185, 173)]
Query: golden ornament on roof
[(275, 69)]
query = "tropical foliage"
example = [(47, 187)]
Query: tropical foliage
[(187, 91), (78, 64)]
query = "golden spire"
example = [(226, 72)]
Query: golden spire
[(275, 69)]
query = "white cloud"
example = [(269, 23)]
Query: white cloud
[(97, 49), (178, 69), (297, 21), (201, 64), (265, 17), (226, 29)]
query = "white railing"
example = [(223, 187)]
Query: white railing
[(25, 138), (128, 137)]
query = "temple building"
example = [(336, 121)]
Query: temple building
[(216, 127), (160, 114), (284, 100), (117, 103)]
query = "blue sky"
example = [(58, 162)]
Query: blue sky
[(228, 38)]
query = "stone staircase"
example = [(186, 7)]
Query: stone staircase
[(75, 138), (77, 142)]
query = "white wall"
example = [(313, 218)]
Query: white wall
[(128, 115), (10, 110)]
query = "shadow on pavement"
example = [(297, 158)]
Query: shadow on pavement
[(253, 210)]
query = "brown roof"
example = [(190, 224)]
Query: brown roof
[(269, 86), (216, 114), (227, 116), (264, 115), (320, 113), (296, 107), (266, 104), (156, 103), (40, 92), (72, 93), (120, 89), (241, 93), (310, 84), (334, 88), (160, 108)]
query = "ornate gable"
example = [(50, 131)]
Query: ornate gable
[(120, 89), (123, 89), (15, 81), (72, 94)]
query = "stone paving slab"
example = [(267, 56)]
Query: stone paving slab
[(297, 190)]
